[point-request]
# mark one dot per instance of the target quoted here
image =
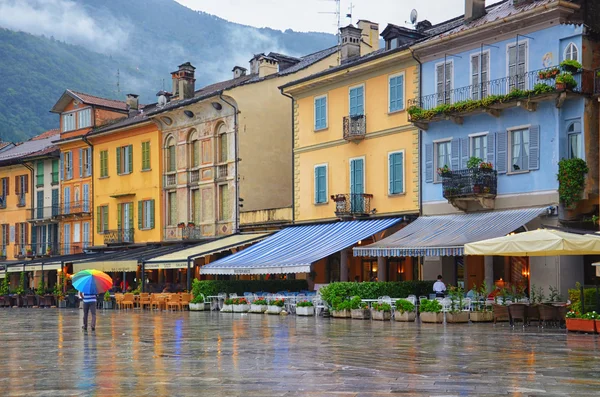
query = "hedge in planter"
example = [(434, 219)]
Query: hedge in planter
[(382, 311), (359, 310), (405, 311), (275, 306), (341, 308), (214, 287), (374, 290), (431, 311)]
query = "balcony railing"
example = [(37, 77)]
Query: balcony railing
[(193, 177), (21, 199), (170, 180), (21, 250), (473, 184), (352, 205), (355, 127), (222, 171), (74, 208), (531, 83), (118, 236), (44, 213), (3, 252), (176, 233)]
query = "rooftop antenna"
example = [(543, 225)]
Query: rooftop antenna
[(118, 81), (349, 14), (337, 14)]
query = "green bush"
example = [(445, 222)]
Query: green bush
[(304, 304), (214, 287), (374, 290), (382, 307), (430, 306), (260, 301), (277, 302), (589, 296), (357, 303), (402, 305)]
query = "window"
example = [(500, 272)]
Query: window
[(172, 208), (125, 160), (85, 162), (125, 221), (196, 205), (206, 151), (86, 234), (5, 237), (443, 154), (145, 156), (55, 172), (84, 118), (320, 184), (195, 153), (171, 159), (575, 140), (396, 93), (479, 147), (321, 112), (68, 162), (392, 43), (39, 175), (223, 146), (86, 197), (444, 74), (68, 122), (21, 189), (103, 163), (224, 205), (517, 66), (5, 190), (480, 69), (519, 149), (102, 219), (146, 214), (357, 101), (571, 52), (396, 172)]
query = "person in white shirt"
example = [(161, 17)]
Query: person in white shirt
[(439, 287)]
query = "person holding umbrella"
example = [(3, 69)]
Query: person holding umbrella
[(90, 283)]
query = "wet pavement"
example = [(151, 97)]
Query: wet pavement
[(44, 352)]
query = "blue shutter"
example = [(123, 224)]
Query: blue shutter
[(429, 162), (455, 154), (320, 113), (40, 204), (86, 197), (356, 101), (45, 240), (393, 101), (80, 163), (55, 202), (490, 148), (396, 93), (62, 166), (396, 173), (70, 176), (322, 184), (357, 185), (464, 153), (534, 147), (501, 151)]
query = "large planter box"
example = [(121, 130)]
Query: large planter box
[(381, 315), (227, 309), (341, 314), (428, 317), (405, 317), (197, 307), (272, 309), (460, 317), (305, 311), (581, 325), (481, 317), (258, 308), (241, 308), (105, 304), (360, 314)]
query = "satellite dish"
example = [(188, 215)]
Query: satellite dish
[(162, 100), (413, 16)]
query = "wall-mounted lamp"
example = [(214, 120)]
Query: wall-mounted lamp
[(188, 113), (216, 105), (359, 242)]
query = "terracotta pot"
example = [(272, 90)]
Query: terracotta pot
[(405, 317), (429, 317), (341, 314), (581, 325), (360, 314), (481, 317), (460, 317), (561, 86)]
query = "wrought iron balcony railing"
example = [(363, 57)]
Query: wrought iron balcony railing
[(170, 181), (530, 82), (470, 183), (118, 236), (74, 208), (43, 213), (355, 127), (352, 205), (48, 249), (193, 177), (21, 250), (221, 171), (177, 233)]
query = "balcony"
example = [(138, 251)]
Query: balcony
[(170, 181), (178, 233), (355, 127), (193, 177), (118, 236), (22, 250), (491, 97), (221, 172), (353, 205), (462, 188), (43, 214), (73, 209)]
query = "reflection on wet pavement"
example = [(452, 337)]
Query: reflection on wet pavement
[(44, 353)]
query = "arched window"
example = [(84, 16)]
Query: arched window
[(575, 140), (194, 149), (571, 52), (223, 143), (170, 155)]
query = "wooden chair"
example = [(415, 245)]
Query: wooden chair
[(128, 301), (145, 300), (119, 300), (185, 301), (174, 301)]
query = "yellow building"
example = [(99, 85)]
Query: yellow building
[(355, 152)]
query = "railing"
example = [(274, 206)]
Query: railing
[(3, 253), (176, 233), (73, 248), (355, 127), (221, 171), (74, 208), (44, 213), (353, 204), (503, 86), (118, 236), (21, 250), (472, 182), (193, 177), (170, 180), (21, 199)]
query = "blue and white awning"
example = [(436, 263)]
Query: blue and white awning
[(446, 235), (294, 249)]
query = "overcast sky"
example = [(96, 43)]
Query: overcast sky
[(305, 15)]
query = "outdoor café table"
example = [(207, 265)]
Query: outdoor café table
[(371, 301)]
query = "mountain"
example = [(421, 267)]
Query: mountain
[(118, 47)]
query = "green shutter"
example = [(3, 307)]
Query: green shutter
[(140, 215), (130, 220), (130, 149), (105, 217), (99, 220), (119, 209), (119, 161), (151, 214)]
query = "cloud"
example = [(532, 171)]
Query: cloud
[(66, 20)]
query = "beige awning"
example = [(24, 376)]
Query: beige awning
[(107, 266), (179, 259), (36, 267)]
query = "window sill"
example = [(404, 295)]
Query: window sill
[(393, 112), (20, 205), (321, 204), (391, 195), (518, 172), (38, 185), (125, 173), (321, 129), (54, 183), (145, 229), (104, 177), (148, 170)]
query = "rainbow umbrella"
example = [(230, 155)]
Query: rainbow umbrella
[(92, 282)]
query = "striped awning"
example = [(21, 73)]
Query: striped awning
[(294, 249), (446, 235)]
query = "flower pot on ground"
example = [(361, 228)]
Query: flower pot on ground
[(240, 305), (227, 306), (429, 317), (275, 306), (577, 322), (405, 311), (431, 311), (305, 308), (359, 310), (341, 308), (344, 313), (381, 312), (457, 317), (481, 317), (259, 306)]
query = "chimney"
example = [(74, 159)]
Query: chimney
[(238, 71), (133, 104), (474, 9), (184, 81), (350, 43), (370, 36), (267, 66)]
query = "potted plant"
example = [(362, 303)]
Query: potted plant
[(456, 313), (381, 311), (48, 251), (405, 311), (275, 306), (259, 306), (444, 171), (565, 81), (548, 74), (474, 162), (181, 225), (577, 322), (305, 308), (571, 66), (227, 306), (480, 313), (20, 290), (431, 311), (359, 310), (240, 305), (29, 252), (107, 302), (341, 308)]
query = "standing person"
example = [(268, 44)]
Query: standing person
[(439, 287), (89, 304)]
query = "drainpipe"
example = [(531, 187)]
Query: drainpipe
[(90, 199), (293, 159), (32, 191), (236, 164), (419, 139)]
